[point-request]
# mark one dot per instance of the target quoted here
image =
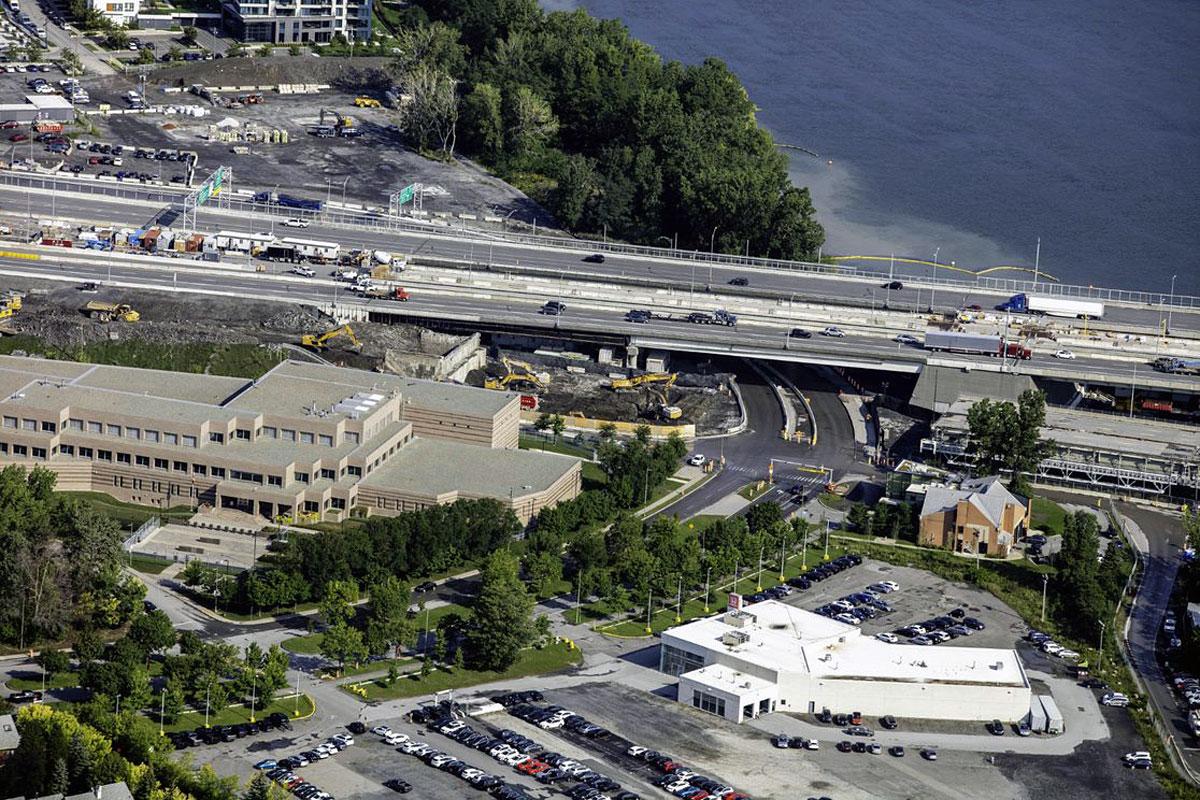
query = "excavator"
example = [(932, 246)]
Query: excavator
[(665, 411), (107, 312), (517, 372), (666, 378), (318, 341), (10, 304)]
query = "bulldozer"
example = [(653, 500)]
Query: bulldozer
[(666, 378), (319, 341), (107, 312), (518, 372)]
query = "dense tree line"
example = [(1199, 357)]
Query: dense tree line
[(60, 565), (596, 126), (1086, 589), (898, 521)]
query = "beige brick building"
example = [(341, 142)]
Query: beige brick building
[(302, 438), (980, 516)]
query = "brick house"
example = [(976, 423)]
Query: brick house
[(979, 516)]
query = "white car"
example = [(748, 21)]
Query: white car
[(809, 744), (636, 750), (907, 338), (833, 331), (697, 460), (381, 730), (1115, 699), (395, 738), (1064, 354), (295, 223), (892, 585), (890, 638), (848, 619), (303, 271)]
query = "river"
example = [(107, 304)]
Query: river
[(971, 130)]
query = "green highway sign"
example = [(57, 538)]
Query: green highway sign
[(406, 194)]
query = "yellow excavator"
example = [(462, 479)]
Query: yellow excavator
[(666, 378), (664, 409), (517, 372), (10, 304), (107, 312), (318, 341)]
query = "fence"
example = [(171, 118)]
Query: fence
[(148, 527), (365, 220)]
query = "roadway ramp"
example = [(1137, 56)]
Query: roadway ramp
[(938, 387)]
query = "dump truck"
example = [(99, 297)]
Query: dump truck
[(975, 344), (1053, 306), (107, 312)]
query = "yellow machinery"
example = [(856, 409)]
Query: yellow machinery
[(665, 411), (9, 305), (318, 342), (665, 378), (107, 312), (297, 518), (517, 372), (341, 122), (367, 102)]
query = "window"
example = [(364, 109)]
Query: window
[(275, 480), (29, 424), (20, 450), (67, 449), (142, 461), (351, 437), (161, 463), (218, 472), (3, 447), (10, 422), (199, 469), (329, 474), (170, 438), (39, 452), (132, 432), (355, 471), (269, 432), (243, 434), (94, 427), (240, 475), (189, 441), (104, 455), (114, 430), (85, 452), (219, 438), (312, 506), (151, 436), (49, 427), (124, 458), (301, 477), (675, 661), (306, 438), (326, 440), (180, 466), (75, 424), (706, 702), (338, 503), (289, 435)]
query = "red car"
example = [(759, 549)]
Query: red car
[(18, 137), (10, 124)]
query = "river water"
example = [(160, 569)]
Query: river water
[(973, 129)]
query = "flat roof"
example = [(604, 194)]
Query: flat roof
[(283, 395), (791, 640), (192, 387), (436, 467), (719, 676)]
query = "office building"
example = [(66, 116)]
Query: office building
[(297, 21)]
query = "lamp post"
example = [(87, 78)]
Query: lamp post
[(1171, 307), (253, 688), (933, 287), (1045, 583), (207, 696), (679, 601), (162, 710), (707, 575), (578, 597), (760, 558), (344, 191), (712, 240), (1100, 649), (649, 605), (118, 711)]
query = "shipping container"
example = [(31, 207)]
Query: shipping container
[(1054, 718), (1037, 715)]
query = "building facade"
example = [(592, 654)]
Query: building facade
[(297, 21), (979, 516), (775, 657), (303, 440), (118, 12)]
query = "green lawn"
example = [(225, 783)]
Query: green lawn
[(593, 476), (129, 514), (526, 442), (531, 662), (309, 645), (60, 680), (295, 708), (751, 490), (147, 564), (702, 522), (1048, 516), (834, 501)]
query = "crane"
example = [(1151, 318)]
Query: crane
[(318, 341)]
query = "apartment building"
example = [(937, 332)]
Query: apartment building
[(297, 21), (303, 438), (118, 12)]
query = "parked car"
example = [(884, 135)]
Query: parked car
[(1115, 699)]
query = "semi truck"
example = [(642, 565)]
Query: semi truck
[(287, 201), (975, 344), (1053, 306), (1178, 366), (718, 317)]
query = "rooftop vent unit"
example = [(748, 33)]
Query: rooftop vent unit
[(735, 638), (999, 665)]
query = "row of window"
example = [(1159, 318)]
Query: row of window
[(165, 437), (706, 702)]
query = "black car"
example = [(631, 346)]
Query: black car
[(594, 258), (958, 613), (888, 722), (356, 728), (397, 785), (554, 308), (896, 285), (24, 696), (897, 751), (637, 315), (800, 333), (739, 282), (427, 586), (859, 747), (973, 623), (996, 727)]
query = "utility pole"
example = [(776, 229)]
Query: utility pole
[(649, 602), (1045, 583), (1037, 263), (162, 710), (1100, 656), (760, 558), (679, 601), (707, 575)]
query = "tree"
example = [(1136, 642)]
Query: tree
[(545, 570), (336, 608), (294, 49), (1008, 438), (501, 623), (433, 46), (70, 62), (173, 701), (483, 123), (530, 122), (117, 39), (259, 788), (387, 616), (80, 770), (145, 56), (153, 632), (175, 53), (34, 52), (762, 516), (189, 34), (341, 643), (53, 661), (59, 781), (430, 116), (87, 645)]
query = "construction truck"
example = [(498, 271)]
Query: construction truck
[(107, 312), (518, 372), (396, 293), (343, 125), (319, 341), (667, 378), (367, 102), (718, 317)]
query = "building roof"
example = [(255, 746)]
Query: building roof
[(787, 639), (987, 494), (9, 737), (435, 467), (727, 679)]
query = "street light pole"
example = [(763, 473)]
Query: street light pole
[(1100, 656), (679, 601), (933, 288), (1045, 583), (162, 710), (1171, 307), (707, 575)]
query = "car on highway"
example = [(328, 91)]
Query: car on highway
[(594, 258), (800, 333), (637, 315), (553, 308), (907, 338), (739, 281), (302, 270), (295, 223), (897, 285), (1064, 353), (833, 331)]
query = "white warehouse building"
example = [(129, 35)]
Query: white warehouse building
[(775, 657)]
